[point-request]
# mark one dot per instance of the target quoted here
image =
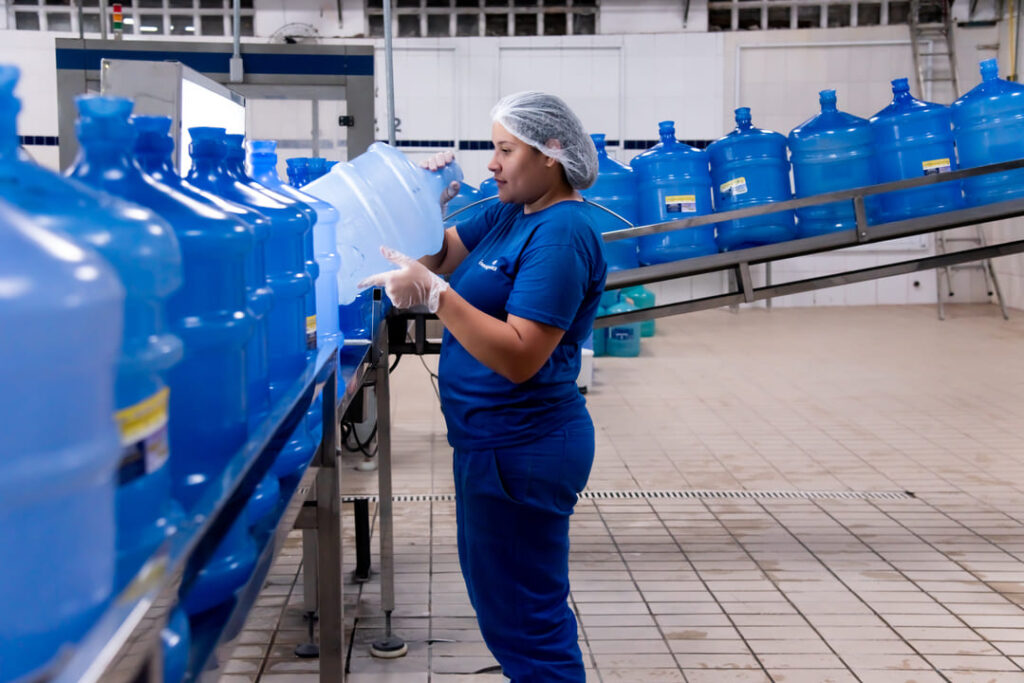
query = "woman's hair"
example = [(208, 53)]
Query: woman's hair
[(547, 123)]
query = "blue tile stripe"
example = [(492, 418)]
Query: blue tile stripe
[(219, 62), (39, 140)]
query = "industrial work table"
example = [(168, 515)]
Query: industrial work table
[(124, 644)]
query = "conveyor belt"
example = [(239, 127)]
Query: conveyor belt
[(739, 262)]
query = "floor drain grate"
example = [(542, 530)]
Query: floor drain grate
[(695, 494)]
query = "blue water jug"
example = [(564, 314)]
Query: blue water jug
[(146, 254), (988, 126), (673, 183), (642, 298), (299, 449), (488, 188), (355, 317), (749, 167), (285, 263), (297, 169), (913, 138), (624, 338), (235, 161), (263, 165), (262, 502), (61, 314), (317, 167), (207, 174), (831, 151), (176, 638), (208, 312), (615, 190)]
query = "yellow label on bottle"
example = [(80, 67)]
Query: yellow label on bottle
[(680, 203), (935, 166), (736, 186), (310, 332), (143, 429)]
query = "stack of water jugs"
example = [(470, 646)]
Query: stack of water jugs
[(150, 322), (829, 152)]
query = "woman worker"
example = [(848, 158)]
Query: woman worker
[(526, 276)]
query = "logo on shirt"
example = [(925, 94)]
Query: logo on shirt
[(492, 267)]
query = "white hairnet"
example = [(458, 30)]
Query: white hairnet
[(547, 123)]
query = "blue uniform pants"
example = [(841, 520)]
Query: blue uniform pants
[(512, 512)]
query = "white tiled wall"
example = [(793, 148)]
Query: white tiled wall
[(621, 85)]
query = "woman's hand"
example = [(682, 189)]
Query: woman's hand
[(409, 286), (437, 162)]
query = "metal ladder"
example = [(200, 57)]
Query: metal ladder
[(934, 51)]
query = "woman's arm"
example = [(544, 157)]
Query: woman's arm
[(452, 253), (515, 349)]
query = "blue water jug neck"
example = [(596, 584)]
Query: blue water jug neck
[(298, 171), (743, 119), (153, 144), (989, 69), (598, 139), (207, 151), (901, 90), (667, 132), (103, 130), (263, 159), (827, 99), (9, 108), (317, 167)]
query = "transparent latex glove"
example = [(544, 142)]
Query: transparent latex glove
[(440, 160), (411, 285)]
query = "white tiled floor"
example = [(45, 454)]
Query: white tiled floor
[(698, 586)]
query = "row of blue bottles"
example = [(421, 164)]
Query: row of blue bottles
[(673, 183), (615, 190), (144, 252), (988, 126), (748, 168), (61, 315), (209, 421)]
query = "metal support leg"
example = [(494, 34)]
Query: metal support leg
[(328, 520), (309, 649), (391, 645), (361, 514)]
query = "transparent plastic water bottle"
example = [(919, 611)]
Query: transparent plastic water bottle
[(61, 313), (623, 338), (383, 199), (208, 312), (263, 168), (642, 298), (284, 253), (207, 174), (988, 125), (144, 250), (614, 189), (830, 151), (673, 182), (749, 167), (912, 139)]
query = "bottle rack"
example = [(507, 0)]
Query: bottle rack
[(737, 264), (124, 644)]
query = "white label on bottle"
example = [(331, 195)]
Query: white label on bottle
[(735, 186), (143, 429), (935, 166), (622, 333), (680, 203)]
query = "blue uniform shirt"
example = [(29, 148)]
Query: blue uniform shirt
[(546, 267)]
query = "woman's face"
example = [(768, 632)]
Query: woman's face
[(523, 174)]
